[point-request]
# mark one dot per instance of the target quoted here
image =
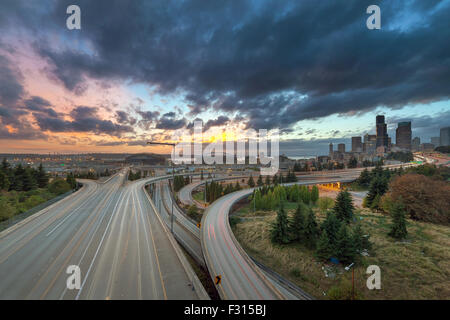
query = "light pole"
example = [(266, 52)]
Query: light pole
[(173, 179)]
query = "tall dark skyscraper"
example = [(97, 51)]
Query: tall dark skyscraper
[(356, 144), (445, 136), (382, 136), (403, 135)]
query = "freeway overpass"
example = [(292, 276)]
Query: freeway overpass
[(112, 232)]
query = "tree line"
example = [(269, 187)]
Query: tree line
[(22, 178), (270, 197), (336, 237)]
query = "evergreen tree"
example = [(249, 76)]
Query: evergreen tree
[(331, 225), (314, 194), (378, 186), (360, 242), (311, 230), (260, 182), (324, 250), (364, 178), (398, 228), (237, 187), (297, 224), (5, 165), (201, 175), (19, 172), (29, 183), (343, 207), (280, 229), (42, 177), (4, 181), (250, 182), (267, 183), (344, 249)]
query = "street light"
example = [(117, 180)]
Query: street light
[(173, 178)]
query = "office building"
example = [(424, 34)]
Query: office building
[(436, 141), (445, 136), (381, 128), (341, 147), (403, 135), (369, 145), (415, 145), (356, 144)]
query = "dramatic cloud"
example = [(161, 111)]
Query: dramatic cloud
[(85, 119), (276, 63), (269, 64)]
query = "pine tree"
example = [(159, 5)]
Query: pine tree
[(19, 172), (42, 177), (398, 228), (324, 250), (314, 194), (378, 186), (364, 178), (331, 226), (311, 230), (280, 229), (5, 165), (260, 182), (344, 249), (29, 183), (250, 182), (360, 242), (343, 207), (267, 183), (4, 181), (237, 187), (297, 224)]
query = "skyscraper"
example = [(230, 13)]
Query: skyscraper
[(445, 136), (436, 141), (370, 141), (403, 135), (341, 147), (416, 144), (356, 144), (330, 153), (382, 136)]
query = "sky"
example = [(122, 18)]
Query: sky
[(139, 70)]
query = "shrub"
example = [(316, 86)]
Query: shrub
[(59, 186), (425, 199), (6, 210)]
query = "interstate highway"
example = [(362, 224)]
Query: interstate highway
[(111, 232)]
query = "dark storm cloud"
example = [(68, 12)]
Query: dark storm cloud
[(168, 123), (123, 117), (220, 121), (85, 119), (11, 89), (275, 62)]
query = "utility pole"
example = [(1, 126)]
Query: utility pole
[(173, 177)]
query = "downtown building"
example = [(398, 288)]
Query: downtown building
[(445, 137), (382, 144), (403, 136)]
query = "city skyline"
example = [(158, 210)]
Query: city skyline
[(119, 82)]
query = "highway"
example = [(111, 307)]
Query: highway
[(241, 278), (112, 233), (186, 232)]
